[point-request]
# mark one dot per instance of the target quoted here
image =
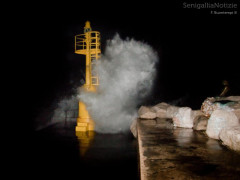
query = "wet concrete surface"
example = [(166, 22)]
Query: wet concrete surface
[(55, 152), (179, 153)]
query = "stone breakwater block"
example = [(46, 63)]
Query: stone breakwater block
[(218, 120), (230, 137), (149, 122), (160, 106), (133, 128), (146, 113), (214, 103), (171, 111), (199, 120), (237, 113), (197, 113), (200, 123), (161, 109), (207, 106), (183, 118)]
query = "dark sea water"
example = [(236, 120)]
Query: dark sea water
[(56, 152)]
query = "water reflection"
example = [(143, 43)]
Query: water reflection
[(59, 151), (186, 137), (197, 144), (213, 144), (183, 136), (85, 140)]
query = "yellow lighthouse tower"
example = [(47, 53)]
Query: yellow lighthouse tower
[(88, 44)]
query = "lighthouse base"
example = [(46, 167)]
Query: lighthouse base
[(84, 125), (84, 120)]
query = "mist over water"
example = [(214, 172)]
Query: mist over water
[(126, 71)]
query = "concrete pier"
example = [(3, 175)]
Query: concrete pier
[(167, 152)]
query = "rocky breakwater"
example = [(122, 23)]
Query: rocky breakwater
[(224, 120), (219, 117)]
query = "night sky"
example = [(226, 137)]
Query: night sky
[(197, 50)]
